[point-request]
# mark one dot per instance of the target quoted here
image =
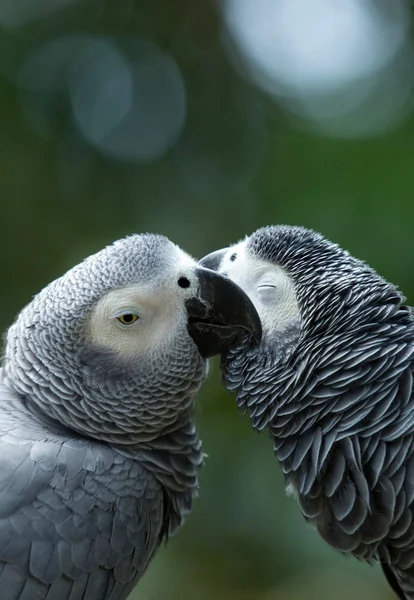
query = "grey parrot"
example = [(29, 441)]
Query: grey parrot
[(98, 450), (332, 382)]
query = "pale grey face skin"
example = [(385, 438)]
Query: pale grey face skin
[(106, 350), (269, 286), (157, 304)]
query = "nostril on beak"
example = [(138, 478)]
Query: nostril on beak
[(183, 282)]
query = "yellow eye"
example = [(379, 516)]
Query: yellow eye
[(128, 318)]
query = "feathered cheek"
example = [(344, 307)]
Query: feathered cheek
[(98, 365)]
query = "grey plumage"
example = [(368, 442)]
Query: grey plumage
[(332, 382), (99, 454)]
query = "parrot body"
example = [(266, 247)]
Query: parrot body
[(332, 382), (99, 455), (79, 519)]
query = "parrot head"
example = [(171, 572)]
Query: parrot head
[(310, 295), (116, 348)]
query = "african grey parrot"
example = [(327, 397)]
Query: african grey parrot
[(332, 382), (98, 450)]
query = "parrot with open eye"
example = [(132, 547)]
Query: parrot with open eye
[(332, 382), (99, 454)]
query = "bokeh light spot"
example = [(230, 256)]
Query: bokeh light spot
[(327, 53), (131, 108), (101, 90)]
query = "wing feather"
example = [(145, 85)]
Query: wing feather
[(78, 520)]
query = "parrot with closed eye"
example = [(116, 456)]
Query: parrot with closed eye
[(332, 383)]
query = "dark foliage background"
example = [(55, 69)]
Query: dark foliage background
[(204, 121)]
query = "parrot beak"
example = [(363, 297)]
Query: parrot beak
[(221, 315), (213, 260)]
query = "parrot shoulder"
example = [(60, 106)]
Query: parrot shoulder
[(69, 505)]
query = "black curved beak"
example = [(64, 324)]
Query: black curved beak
[(221, 315), (213, 260)]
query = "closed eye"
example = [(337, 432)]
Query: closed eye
[(266, 286)]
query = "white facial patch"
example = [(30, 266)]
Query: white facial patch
[(268, 286), (159, 305)]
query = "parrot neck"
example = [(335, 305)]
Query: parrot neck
[(249, 362), (295, 388), (249, 371), (174, 458)]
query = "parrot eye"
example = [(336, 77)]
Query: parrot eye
[(233, 257), (128, 318), (183, 282)]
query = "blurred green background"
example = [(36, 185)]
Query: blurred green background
[(204, 121)]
